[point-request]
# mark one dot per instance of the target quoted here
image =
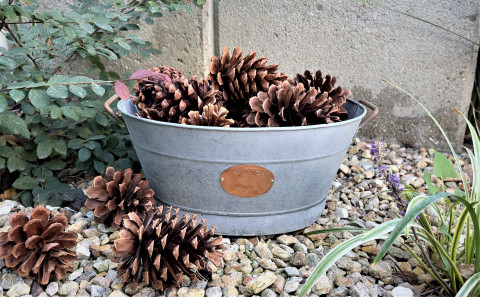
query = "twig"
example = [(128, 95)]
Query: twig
[(432, 267), (132, 9), (20, 45)]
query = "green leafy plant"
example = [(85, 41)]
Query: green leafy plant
[(53, 126), (459, 215)]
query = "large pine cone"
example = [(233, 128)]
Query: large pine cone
[(292, 105), (172, 101), (338, 95), (159, 249), (240, 78), (212, 115), (120, 193), (37, 246)]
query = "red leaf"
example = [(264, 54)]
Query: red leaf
[(142, 73), (122, 90)]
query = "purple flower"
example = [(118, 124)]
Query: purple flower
[(393, 181)]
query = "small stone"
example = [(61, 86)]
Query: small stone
[(425, 278), (280, 253), (78, 226), (96, 291), (418, 270), (76, 274), (6, 206), (370, 249), (199, 284), (298, 259), (98, 250), (381, 270), (52, 288), (267, 264), (405, 266), (287, 239), (291, 286), (229, 255), (418, 182), (260, 283), (213, 292), (10, 279), (291, 271), (101, 265), (18, 289), (402, 292), (343, 281), (360, 290), (91, 233), (145, 292), (117, 293), (312, 260), (83, 247), (300, 247), (322, 286), (345, 169), (279, 284), (341, 213), (43, 294), (230, 291), (117, 284), (315, 237), (195, 292), (263, 251), (68, 288), (268, 293)]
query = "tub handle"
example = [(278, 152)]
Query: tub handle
[(373, 115), (109, 110)]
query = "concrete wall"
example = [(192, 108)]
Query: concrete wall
[(356, 42)]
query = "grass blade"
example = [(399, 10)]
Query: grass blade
[(343, 248), (330, 230), (469, 285)]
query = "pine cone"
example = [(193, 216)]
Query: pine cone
[(338, 95), (292, 105), (240, 78), (120, 193), (159, 249), (212, 115), (172, 101), (37, 246)]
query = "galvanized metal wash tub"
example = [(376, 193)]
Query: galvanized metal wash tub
[(245, 181)]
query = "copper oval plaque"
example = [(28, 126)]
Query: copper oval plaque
[(247, 180)]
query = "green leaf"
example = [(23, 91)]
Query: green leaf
[(17, 95), (101, 119), (469, 285), (442, 167), (125, 45), (12, 124), (79, 91), (70, 31), (25, 183), (14, 163), (105, 27), (41, 196), (44, 149), (97, 89), (7, 62), (6, 151), (84, 154), (27, 198), (58, 92), (58, 79), (60, 147), (10, 13), (69, 113), (56, 164), (87, 27), (75, 144), (432, 189), (343, 248), (99, 166), (55, 112), (56, 186), (3, 103), (3, 163), (38, 98)]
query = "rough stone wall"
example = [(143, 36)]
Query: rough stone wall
[(361, 44)]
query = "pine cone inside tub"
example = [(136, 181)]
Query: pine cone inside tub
[(292, 105), (160, 248), (172, 101), (120, 193), (212, 115), (240, 78), (37, 246), (337, 96)]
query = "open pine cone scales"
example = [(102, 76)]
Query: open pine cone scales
[(38, 246), (212, 115), (159, 249), (324, 84), (120, 193), (240, 78), (293, 105)]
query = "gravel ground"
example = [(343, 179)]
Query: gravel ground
[(267, 266)]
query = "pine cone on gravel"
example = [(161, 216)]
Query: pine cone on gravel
[(212, 115), (160, 248), (240, 78), (120, 193), (37, 246), (292, 105)]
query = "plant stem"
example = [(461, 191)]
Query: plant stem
[(20, 45), (430, 264)]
